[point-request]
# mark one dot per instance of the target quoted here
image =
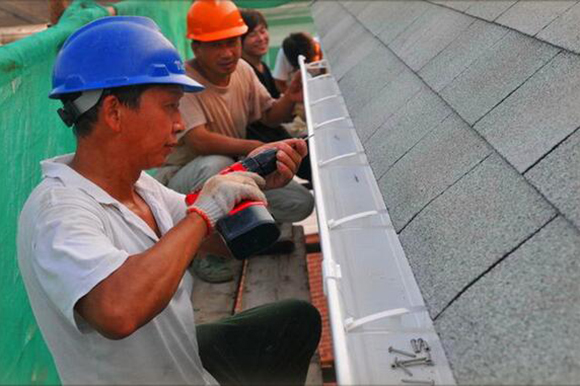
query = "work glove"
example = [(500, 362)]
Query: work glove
[(222, 192)]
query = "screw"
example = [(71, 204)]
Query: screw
[(416, 349), (420, 343), (394, 350), (419, 382), (397, 364), (411, 361), (423, 345), (417, 362)]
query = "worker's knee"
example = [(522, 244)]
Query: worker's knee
[(306, 319), (290, 204), (194, 174), (210, 165)]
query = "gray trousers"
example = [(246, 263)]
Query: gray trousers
[(291, 203)]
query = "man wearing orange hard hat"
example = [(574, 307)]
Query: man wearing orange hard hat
[(216, 119)]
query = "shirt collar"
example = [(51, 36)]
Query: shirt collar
[(58, 167)]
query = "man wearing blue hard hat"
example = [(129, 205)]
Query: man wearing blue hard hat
[(103, 248)]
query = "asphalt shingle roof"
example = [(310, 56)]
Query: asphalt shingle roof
[(469, 113)]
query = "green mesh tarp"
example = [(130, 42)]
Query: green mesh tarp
[(261, 3), (31, 131)]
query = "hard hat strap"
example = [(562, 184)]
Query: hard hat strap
[(73, 109)]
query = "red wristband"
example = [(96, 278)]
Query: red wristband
[(204, 217)]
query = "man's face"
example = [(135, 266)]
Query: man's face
[(220, 56), (256, 42), (151, 129)]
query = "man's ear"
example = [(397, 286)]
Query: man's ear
[(111, 112)]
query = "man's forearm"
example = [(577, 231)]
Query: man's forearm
[(280, 112)]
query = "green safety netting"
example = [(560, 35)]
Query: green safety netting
[(31, 131), (261, 3)]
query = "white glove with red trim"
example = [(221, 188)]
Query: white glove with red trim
[(220, 194)]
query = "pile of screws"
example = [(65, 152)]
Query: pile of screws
[(418, 346)]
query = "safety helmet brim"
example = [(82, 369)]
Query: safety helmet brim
[(220, 35), (188, 85)]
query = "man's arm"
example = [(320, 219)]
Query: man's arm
[(281, 110), (204, 142), (280, 85), (145, 283)]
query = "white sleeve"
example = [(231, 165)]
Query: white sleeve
[(282, 68), (72, 253)]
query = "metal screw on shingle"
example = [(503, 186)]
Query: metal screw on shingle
[(418, 382), (394, 350), (397, 365)]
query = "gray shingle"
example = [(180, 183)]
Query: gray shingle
[(489, 10), (442, 157), (357, 44), (361, 84), (387, 19), (481, 218), (557, 177), (519, 323), (326, 14), (355, 7), (460, 5), (388, 101), (564, 31), (539, 115), (459, 55), (429, 35), (338, 32), (498, 72), (404, 129), (531, 16)]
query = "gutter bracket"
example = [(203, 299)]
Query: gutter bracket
[(329, 122), (339, 157), (333, 271), (350, 323), (335, 223)]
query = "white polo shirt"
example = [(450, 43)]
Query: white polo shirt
[(72, 235)]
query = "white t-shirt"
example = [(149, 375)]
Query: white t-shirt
[(283, 70), (72, 235)]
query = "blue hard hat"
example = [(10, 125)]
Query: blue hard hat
[(118, 51)]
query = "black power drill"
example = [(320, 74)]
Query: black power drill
[(248, 228)]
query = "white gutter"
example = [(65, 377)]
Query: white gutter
[(374, 301)]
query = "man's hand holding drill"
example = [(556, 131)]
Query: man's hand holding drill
[(289, 156)]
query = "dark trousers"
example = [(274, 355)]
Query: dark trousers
[(270, 344)]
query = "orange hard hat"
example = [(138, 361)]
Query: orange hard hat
[(210, 20)]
